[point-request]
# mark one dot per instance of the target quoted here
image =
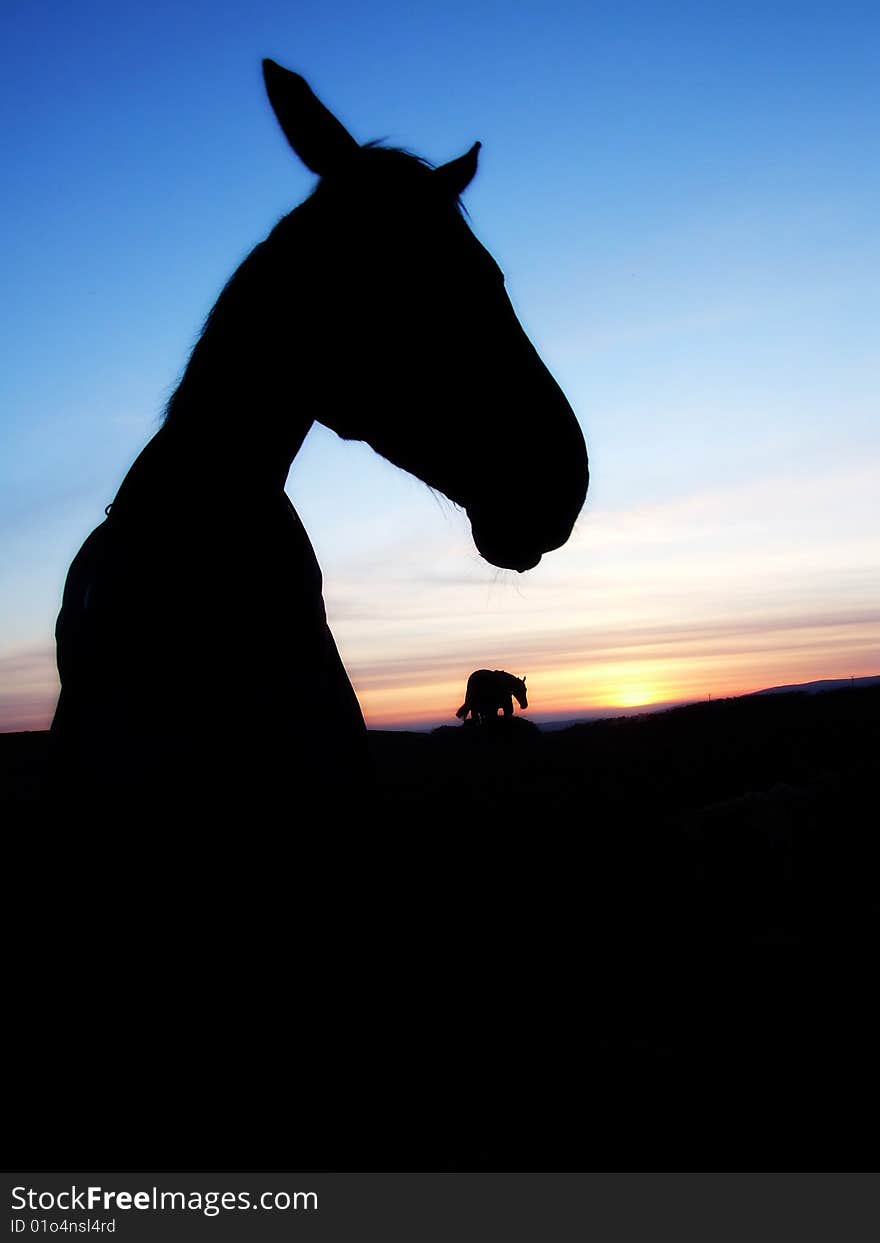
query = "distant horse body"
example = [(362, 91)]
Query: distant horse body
[(193, 645), (490, 691)]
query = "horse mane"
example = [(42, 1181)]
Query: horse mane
[(388, 167)]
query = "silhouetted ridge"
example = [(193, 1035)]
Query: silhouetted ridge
[(613, 947)]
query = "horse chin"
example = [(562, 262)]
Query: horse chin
[(506, 544), (507, 558), (520, 564)]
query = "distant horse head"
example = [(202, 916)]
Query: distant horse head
[(414, 345), (518, 690)]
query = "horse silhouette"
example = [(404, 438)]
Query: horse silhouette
[(193, 645), (490, 691)]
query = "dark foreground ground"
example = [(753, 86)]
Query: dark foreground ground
[(647, 943)]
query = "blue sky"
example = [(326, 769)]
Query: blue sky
[(684, 199)]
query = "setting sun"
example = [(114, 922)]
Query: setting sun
[(632, 696), (629, 684)]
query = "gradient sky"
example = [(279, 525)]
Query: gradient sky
[(684, 198)]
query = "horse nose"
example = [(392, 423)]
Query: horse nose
[(502, 543)]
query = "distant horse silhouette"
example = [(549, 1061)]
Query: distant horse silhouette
[(490, 691), (193, 645)]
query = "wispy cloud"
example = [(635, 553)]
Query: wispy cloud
[(723, 589)]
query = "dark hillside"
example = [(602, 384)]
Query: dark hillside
[(643, 943), (655, 764)]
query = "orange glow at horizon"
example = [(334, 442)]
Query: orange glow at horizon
[(413, 697), (563, 691), (633, 696)]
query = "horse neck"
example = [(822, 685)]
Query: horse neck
[(248, 395)]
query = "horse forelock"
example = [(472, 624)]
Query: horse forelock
[(386, 177), (374, 159)]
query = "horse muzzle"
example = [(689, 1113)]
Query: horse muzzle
[(504, 544)]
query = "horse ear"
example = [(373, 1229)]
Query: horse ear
[(320, 141), (457, 175)]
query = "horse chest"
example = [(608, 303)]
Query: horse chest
[(146, 611), (183, 656)]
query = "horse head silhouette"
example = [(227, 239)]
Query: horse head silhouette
[(194, 613), (402, 278)]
